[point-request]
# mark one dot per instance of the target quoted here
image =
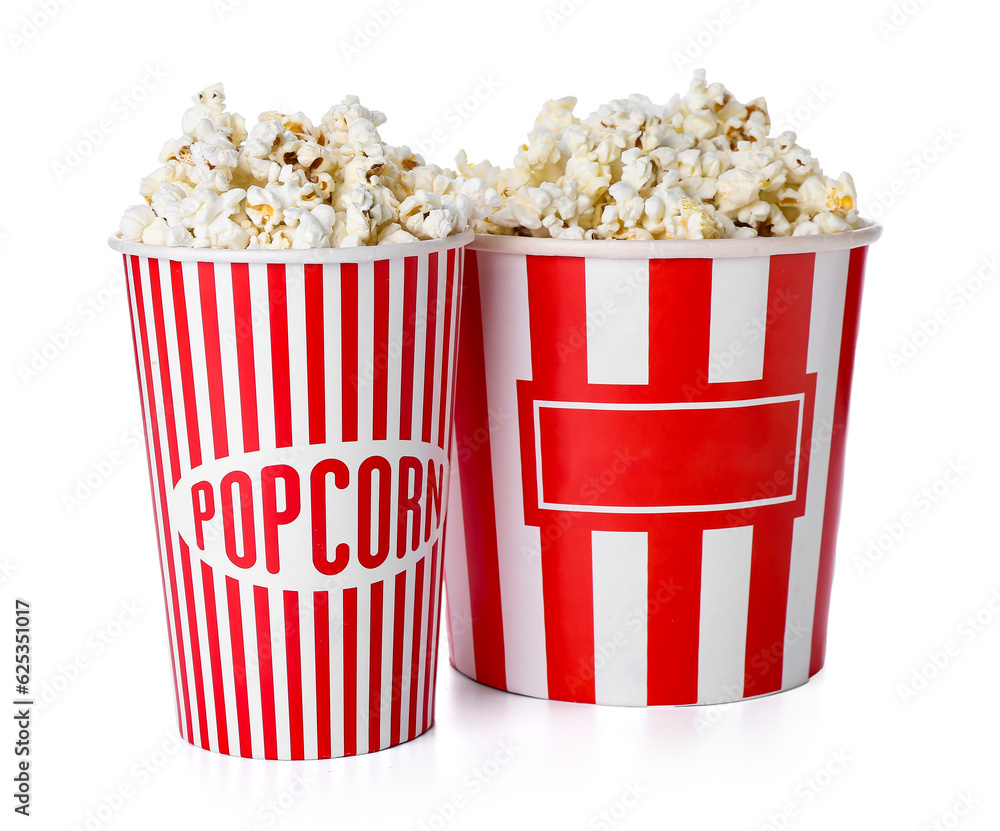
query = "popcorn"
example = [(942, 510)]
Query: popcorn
[(287, 183), (700, 166)]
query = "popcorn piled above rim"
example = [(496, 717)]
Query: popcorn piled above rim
[(285, 183), (701, 166)]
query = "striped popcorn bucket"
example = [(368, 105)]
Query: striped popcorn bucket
[(649, 450), (297, 407)]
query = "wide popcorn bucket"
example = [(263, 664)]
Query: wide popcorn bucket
[(649, 452), (297, 407)]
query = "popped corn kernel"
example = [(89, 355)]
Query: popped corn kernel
[(700, 166), (287, 182)]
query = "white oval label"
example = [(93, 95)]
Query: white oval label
[(319, 517)]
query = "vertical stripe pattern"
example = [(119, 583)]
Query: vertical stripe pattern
[(699, 602), (244, 368)]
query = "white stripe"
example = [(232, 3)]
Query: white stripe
[(279, 671), (307, 659), (442, 293), (226, 661), (199, 369), (456, 575), (332, 351), (725, 596), (266, 421), (388, 635), (198, 595), (364, 663), (406, 680), (825, 326), (295, 302), (435, 620), (298, 373), (230, 364), (739, 309), (419, 347), (617, 321), (366, 349), (249, 618), (503, 281), (394, 370), (262, 355), (425, 622), (157, 507), (172, 358), (335, 608), (456, 315), (621, 586)]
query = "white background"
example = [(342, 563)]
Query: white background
[(873, 87)]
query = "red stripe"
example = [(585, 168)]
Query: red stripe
[(434, 625), (557, 303), (213, 358), (767, 603), (277, 299), (243, 314), (375, 670), (321, 612), (168, 396), (167, 536), (293, 663), (351, 671), (673, 610), (446, 349), (380, 353), (835, 478), (750, 444), (239, 665), (262, 613), (199, 684), (454, 358), (406, 360), (184, 354), (786, 340), (152, 488), (568, 591), (431, 645), (472, 415), (349, 349), (786, 348), (418, 607), (431, 335), (680, 302), (315, 358), (398, 622), (215, 655)]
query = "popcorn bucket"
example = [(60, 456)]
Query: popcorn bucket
[(649, 439), (297, 409)]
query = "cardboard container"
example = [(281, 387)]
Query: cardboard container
[(296, 407), (650, 448)]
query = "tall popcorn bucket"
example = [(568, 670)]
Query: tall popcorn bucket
[(297, 407), (649, 440)]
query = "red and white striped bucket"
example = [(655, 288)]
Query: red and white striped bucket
[(650, 447), (297, 407)]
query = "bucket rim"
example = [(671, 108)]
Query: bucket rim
[(288, 256), (705, 249)]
